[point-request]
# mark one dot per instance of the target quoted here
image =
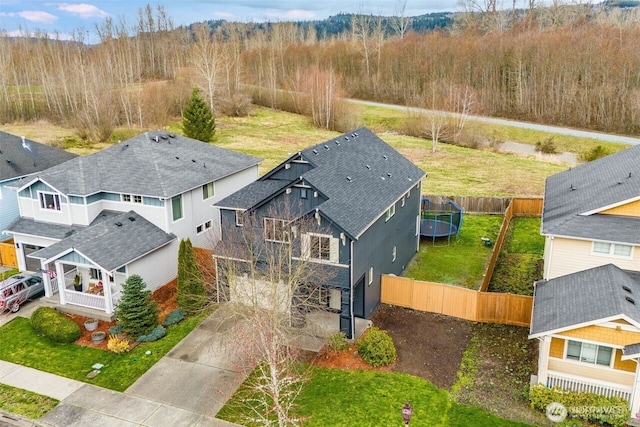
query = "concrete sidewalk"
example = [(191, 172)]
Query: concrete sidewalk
[(186, 387)]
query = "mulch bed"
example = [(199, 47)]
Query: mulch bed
[(165, 297)]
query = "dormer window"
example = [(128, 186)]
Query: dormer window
[(49, 201)]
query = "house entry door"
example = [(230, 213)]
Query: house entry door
[(358, 298)]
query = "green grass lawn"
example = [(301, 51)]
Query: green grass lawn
[(520, 262), (463, 262), (9, 273), (334, 397), (21, 345), (25, 403)]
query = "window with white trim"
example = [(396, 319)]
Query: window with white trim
[(50, 201), (275, 230), (176, 207), (128, 198), (95, 274), (137, 199), (390, 212), (612, 249), (203, 227), (320, 247), (239, 218), (208, 191), (589, 353)]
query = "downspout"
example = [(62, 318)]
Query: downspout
[(634, 404), (546, 274), (351, 317)]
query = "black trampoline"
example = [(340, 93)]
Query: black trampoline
[(438, 220)]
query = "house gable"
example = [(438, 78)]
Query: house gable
[(631, 209)]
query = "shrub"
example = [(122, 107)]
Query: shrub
[(338, 341), (136, 313), (157, 333), (176, 316), (115, 330), (55, 326), (376, 348), (587, 406), (191, 292), (547, 146), (118, 345), (594, 154)]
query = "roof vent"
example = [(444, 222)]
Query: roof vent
[(177, 158), (626, 288), (630, 300), (118, 224), (156, 138), (131, 218), (315, 152), (164, 137), (572, 187), (355, 134), (382, 177), (368, 167), (349, 178), (346, 138), (193, 160), (326, 146), (629, 175), (337, 142), (384, 156), (388, 174), (171, 135)]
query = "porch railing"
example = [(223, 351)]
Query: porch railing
[(575, 384), (85, 300), (54, 285)]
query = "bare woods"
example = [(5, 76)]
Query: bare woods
[(585, 73)]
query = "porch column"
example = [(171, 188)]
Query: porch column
[(106, 290), (46, 279), (544, 346), (635, 393), (62, 286)]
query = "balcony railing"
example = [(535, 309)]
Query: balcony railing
[(84, 299), (575, 384)]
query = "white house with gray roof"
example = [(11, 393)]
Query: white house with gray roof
[(586, 312), (123, 211)]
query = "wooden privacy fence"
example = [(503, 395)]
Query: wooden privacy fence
[(492, 205), (458, 302), (8, 254)]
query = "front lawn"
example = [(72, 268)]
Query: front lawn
[(22, 346), (463, 262), (335, 397)]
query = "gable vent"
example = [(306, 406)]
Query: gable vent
[(631, 300)]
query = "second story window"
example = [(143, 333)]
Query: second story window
[(208, 191), (616, 250), (320, 247), (239, 218), (176, 207), (275, 230), (50, 201), (129, 198), (390, 212)]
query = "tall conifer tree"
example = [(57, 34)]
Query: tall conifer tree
[(191, 292), (197, 121)]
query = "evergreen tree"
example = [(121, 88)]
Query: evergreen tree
[(198, 122), (191, 292), (136, 313)]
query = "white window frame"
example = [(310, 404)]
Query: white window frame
[(137, 199), (271, 232), (239, 219), (173, 212), (57, 202), (126, 198), (394, 254), (310, 252), (581, 358), (597, 249), (370, 276), (319, 247), (390, 212), (208, 190), (204, 227)]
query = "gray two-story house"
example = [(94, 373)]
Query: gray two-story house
[(364, 198)]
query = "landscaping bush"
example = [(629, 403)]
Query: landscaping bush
[(176, 316), (115, 330), (157, 333), (376, 348), (136, 313), (55, 326), (338, 341), (594, 154), (587, 406), (547, 146), (191, 292), (118, 345)]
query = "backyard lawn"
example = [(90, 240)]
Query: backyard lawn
[(463, 261), (335, 397), (75, 361)]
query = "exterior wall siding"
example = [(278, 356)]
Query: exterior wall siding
[(603, 335), (630, 209), (570, 256), (583, 370), (157, 268), (623, 365), (8, 207), (557, 348)]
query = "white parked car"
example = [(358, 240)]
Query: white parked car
[(17, 289)]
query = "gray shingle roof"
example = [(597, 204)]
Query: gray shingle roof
[(110, 245), (591, 186), (155, 164), (30, 227), (585, 296), (631, 350), (17, 161), (252, 194), (359, 173)]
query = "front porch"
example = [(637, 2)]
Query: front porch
[(319, 325), (575, 383), (78, 310)]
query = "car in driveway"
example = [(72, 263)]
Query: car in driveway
[(17, 289)]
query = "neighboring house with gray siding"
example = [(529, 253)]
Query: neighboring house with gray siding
[(19, 158), (123, 211), (364, 196)]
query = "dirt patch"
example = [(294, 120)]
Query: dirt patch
[(429, 345), (165, 297)]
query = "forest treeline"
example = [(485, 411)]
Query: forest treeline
[(564, 65)]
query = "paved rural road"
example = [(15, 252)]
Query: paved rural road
[(524, 125)]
